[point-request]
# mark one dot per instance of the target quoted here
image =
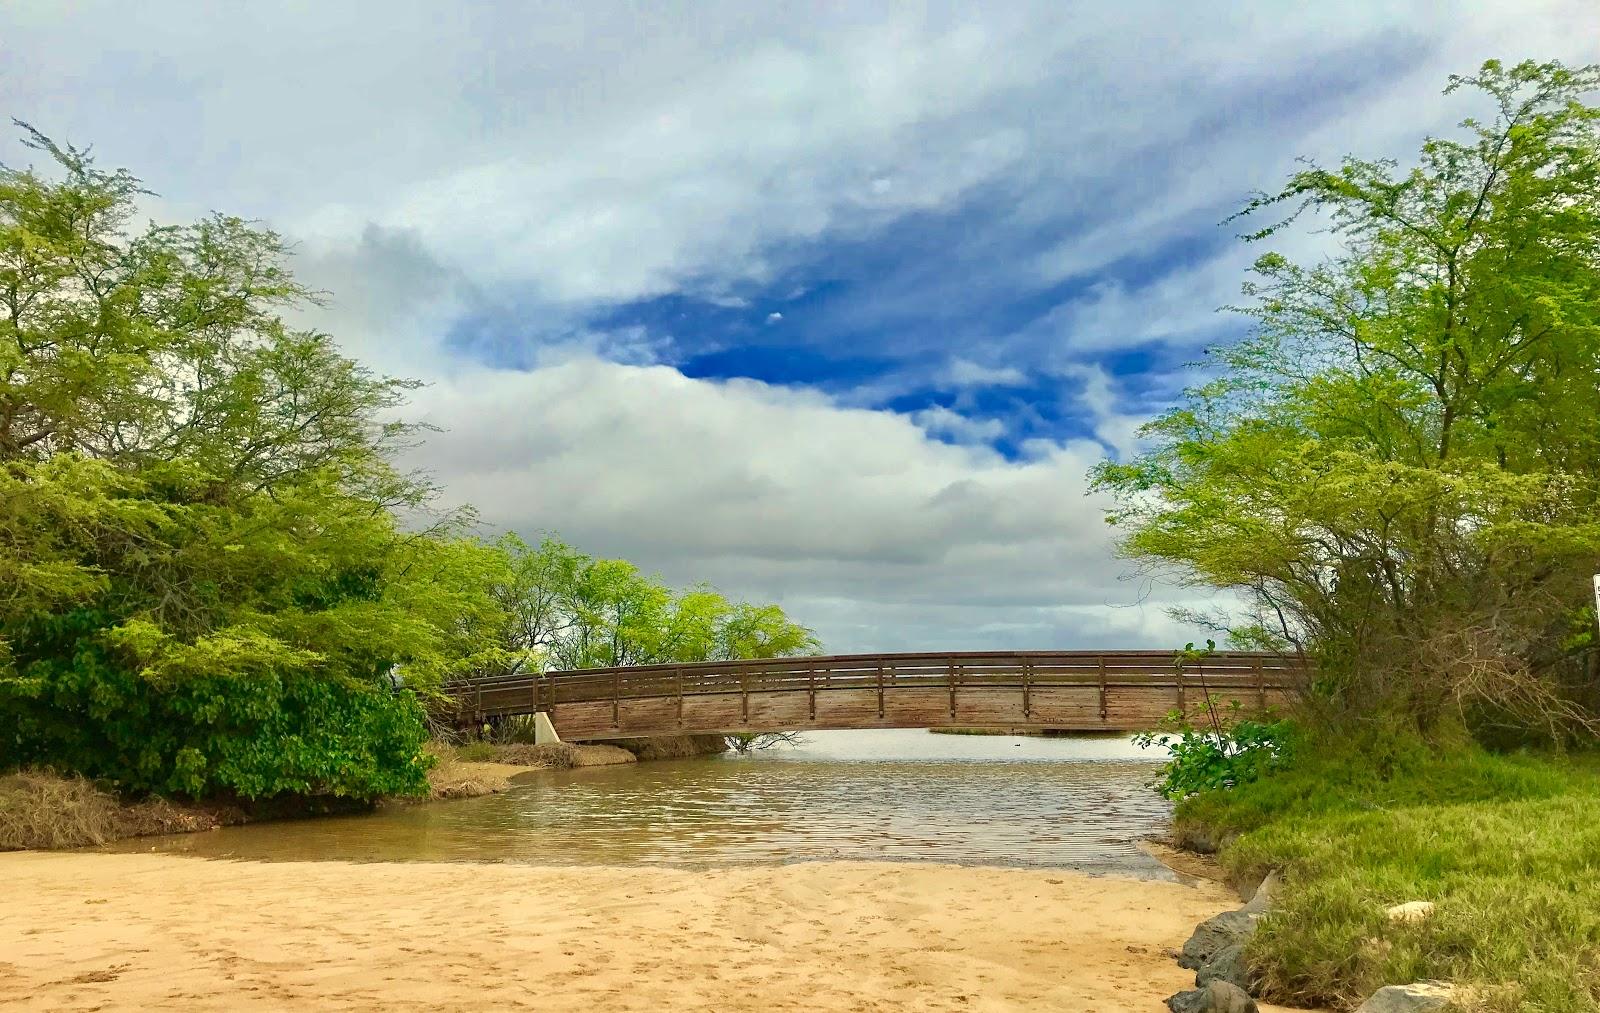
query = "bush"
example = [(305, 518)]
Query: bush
[(251, 735), (1220, 758)]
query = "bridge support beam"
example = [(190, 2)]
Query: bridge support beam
[(544, 733)]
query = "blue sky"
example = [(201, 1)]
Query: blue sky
[(834, 305)]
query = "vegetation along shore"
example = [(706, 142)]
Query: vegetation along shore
[(1400, 470)]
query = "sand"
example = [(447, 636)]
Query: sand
[(454, 778), (135, 931)]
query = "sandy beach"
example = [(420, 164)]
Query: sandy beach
[(103, 932)]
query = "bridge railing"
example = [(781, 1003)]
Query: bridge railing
[(1237, 672)]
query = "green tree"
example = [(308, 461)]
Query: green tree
[(561, 609), (205, 586), (1399, 467)]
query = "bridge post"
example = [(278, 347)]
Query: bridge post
[(1027, 681), (679, 673), (952, 671), (811, 689), (616, 699), (880, 691), (1105, 711), (1261, 687)]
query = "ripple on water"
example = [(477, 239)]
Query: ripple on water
[(901, 795)]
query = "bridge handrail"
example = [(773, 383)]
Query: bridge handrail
[(1222, 670)]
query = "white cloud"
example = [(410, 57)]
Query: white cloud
[(857, 520), (604, 152), (963, 373), (438, 162), (941, 421)]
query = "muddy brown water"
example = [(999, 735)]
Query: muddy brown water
[(895, 795)]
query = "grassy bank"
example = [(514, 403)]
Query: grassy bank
[(1507, 847)]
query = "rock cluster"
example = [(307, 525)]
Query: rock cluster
[(1215, 953)]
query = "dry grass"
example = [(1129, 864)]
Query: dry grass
[(46, 811), (483, 768), (452, 776), (551, 756), (43, 810), (671, 747)]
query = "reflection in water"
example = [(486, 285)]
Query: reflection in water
[(881, 795)]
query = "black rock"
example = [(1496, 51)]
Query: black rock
[(1214, 935), (1217, 997), (1227, 964)]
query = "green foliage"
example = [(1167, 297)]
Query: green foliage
[(1400, 466), (1381, 769), (1203, 760), (561, 609), (1503, 845), (203, 586)]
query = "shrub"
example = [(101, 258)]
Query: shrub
[(251, 735), (1220, 757)]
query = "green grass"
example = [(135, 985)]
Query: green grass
[(477, 752), (1508, 848)]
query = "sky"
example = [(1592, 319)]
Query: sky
[(829, 304)]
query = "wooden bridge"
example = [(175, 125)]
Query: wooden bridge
[(1067, 690)]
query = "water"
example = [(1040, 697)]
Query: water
[(898, 795)]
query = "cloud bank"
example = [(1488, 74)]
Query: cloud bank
[(830, 305)]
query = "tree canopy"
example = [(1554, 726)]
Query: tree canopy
[(1398, 468), (562, 609), (205, 586)]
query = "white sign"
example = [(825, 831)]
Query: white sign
[(1597, 599)]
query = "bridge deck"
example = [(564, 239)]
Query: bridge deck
[(1074, 690)]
